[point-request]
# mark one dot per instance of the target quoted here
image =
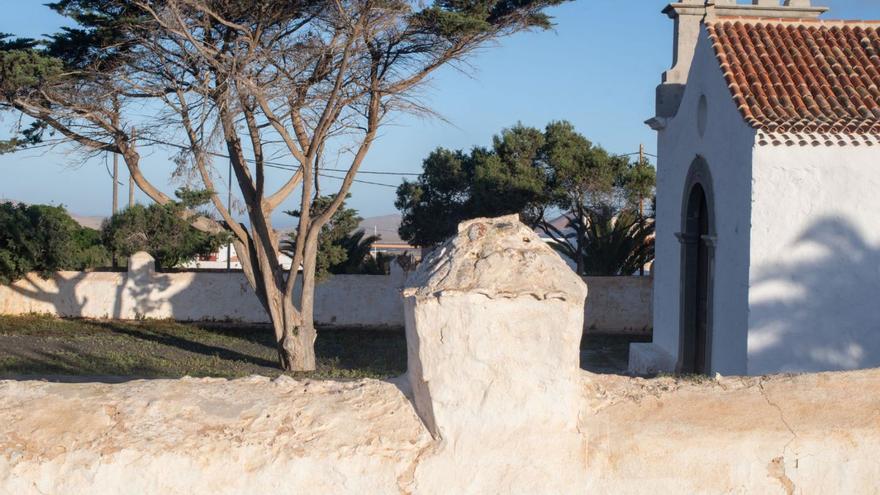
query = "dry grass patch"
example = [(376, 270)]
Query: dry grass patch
[(44, 346)]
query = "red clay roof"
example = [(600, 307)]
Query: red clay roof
[(802, 77)]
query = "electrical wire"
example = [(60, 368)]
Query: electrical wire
[(294, 168)]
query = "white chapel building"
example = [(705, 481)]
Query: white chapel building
[(768, 192)]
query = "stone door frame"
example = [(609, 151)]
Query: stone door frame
[(692, 239)]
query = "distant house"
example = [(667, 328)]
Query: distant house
[(385, 227), (768, 188), (390, 243)]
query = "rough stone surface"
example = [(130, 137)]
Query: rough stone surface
[(498, 258), (485, 315), (498, 405), (808, 434), (247, 436), (801, 434)]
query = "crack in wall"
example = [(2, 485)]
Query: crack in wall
[(776, 468), (781, 416)]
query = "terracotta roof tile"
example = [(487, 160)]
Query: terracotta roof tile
[(802, 81)]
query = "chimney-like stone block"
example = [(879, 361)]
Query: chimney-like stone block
[(494, 320), (141, 263)]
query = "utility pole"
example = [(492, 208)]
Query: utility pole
[(114, 262), (229, 207), (641, 198), (131, 177), (115, 184), (641, 163)]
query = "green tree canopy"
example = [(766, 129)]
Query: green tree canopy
[(161, 231), (341, 248), (455, 186), (533, 173), (45, 239)]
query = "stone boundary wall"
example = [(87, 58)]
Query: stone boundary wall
[(614, 304), (619, 305), (809, 434), (343, 300)]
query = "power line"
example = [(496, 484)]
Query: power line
[(372, 172), (358, 180), (293, 168)]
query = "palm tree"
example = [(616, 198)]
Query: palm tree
[(357, 246), (617, 243)]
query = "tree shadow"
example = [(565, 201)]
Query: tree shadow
[(818, 310), (66, 366), (142, 291), (175, 341), (64, 300)]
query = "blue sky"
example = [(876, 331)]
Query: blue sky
[(598, 69)]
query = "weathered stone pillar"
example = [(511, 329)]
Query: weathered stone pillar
[(494, 320)]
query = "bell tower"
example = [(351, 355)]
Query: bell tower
[(688, 16)]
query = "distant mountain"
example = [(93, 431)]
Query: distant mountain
[(93, 222), (384, 226)]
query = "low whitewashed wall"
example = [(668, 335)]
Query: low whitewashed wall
[(614, 304), (343, 300), (619, 305), (811, 434)]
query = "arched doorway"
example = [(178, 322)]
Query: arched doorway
[(697, 243)]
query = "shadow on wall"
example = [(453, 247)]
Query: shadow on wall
[(64, 299), (820, 311), (139, 292)]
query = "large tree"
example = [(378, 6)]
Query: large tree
[(534, 173), (456, 186), (249, 79)]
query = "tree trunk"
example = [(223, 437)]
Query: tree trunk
[(296, 349), (294, 334), (298, 344)]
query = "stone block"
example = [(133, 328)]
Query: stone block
[(494, 319), (649, 359)]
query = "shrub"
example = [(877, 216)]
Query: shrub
[(44, 239), (161, 231)]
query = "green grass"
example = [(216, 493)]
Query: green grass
[(45, 346)]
